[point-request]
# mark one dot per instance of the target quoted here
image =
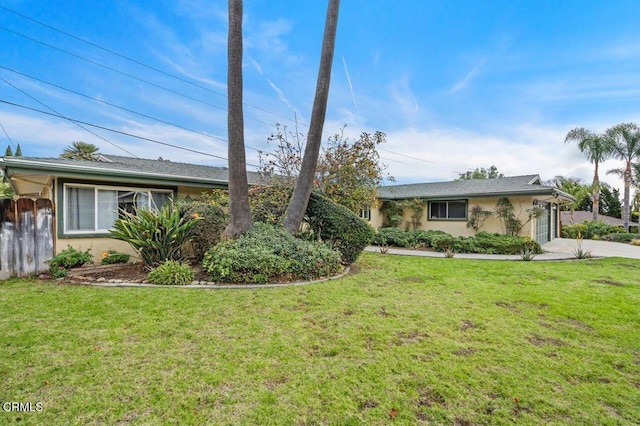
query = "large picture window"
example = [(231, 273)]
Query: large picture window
[(448, 210), (91, 208)]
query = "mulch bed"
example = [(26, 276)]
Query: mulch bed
[(129, 273)]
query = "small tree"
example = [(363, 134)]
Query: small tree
[(511, 225), (78, 150), (8, 152), (481, 173), (391, 213), (417, 207), (477, 217), (18, 151), (348, 171)]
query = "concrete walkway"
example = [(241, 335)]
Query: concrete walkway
[(597, 248), (558, 249)]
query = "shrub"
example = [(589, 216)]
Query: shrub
[(111, 257), (210, 221), (172, 272), (267, 253), (391, 237), (157, 235), (590, 229), (67, 259), (424, 239), (269, 204), (339, 227), (620, 237)]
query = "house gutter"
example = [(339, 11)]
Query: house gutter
[(548, 191), (43, 167)]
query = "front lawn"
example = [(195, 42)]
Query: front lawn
[(404, 339)]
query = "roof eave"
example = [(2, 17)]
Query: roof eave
[(87, 172), (532, 192)]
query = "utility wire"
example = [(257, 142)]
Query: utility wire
[(7, 135), (220, 138), (405, 155), (60, 115), (137, 62), (154, 84), (117, 131), (91, 61)]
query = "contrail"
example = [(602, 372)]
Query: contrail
[(353, 95)]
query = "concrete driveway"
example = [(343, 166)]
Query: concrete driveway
[(597, 248)]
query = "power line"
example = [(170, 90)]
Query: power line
[(405, 155), (137, 62), (117, 131), (220, 138), (154, 84), (7, 135), (60, 115), (91, 61)]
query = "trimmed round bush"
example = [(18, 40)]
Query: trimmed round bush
[(267, 253), (172, 272), (339, 227)]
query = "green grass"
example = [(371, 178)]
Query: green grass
[(408, 340)]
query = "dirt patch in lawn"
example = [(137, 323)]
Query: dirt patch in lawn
[(127, 273)]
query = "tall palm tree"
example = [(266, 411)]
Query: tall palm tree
[(597, 148), (79, 150), (625, 141), (304, 183), (239, 211)]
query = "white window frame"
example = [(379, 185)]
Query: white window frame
[(365, 214), (97, 188)]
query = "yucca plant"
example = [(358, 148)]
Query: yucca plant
[(157, 235)]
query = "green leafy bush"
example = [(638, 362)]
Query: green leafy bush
[(620, 237), (391, 237), (210, 221), (420, 238), (172, 272), (397, 237), (67, 259), (269, 203), (339, 227), (157, 235), (482, 242), (111, 257), (590, 229), (267, 253)]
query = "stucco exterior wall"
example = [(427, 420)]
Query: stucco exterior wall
[(98, 244), (459, 227), (95, 245)]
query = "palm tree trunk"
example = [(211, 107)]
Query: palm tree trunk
[(596, 193), (627, 190), (239, 212), (304, 183)]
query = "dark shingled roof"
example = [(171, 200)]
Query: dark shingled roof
[(118, 166), (515, 185), (580, 216)]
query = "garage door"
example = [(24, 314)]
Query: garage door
[(542, 224)]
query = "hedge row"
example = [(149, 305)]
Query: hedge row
[(482, 242)]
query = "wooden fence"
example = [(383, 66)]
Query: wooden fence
[(26, 236)]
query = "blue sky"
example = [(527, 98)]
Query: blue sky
[(455, 85)]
